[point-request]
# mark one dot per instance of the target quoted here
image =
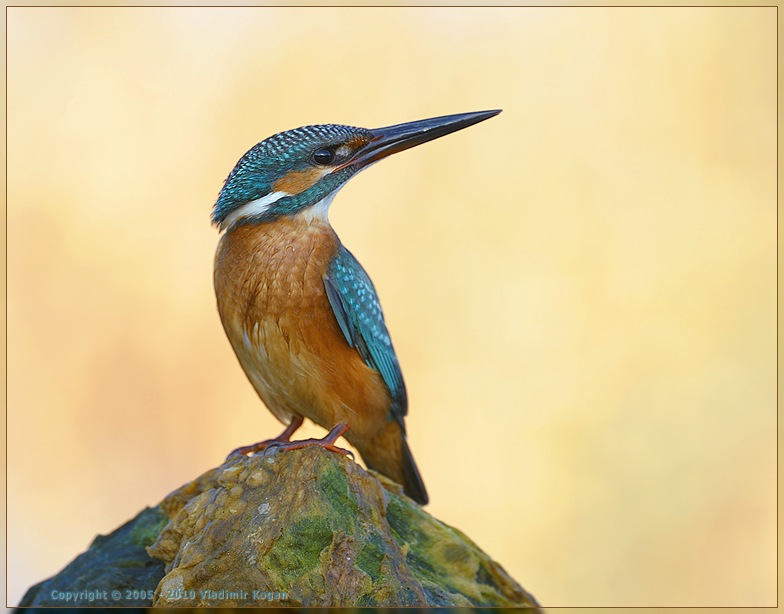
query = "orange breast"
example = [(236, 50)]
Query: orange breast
[(273, 305)]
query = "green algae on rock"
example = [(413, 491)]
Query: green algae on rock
[(309, 527)]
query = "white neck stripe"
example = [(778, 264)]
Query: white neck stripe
[(252, 208)]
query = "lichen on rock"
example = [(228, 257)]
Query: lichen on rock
[(309, 527)]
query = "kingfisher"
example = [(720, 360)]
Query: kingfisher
[(300, 312)]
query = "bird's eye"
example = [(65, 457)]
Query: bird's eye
[(323, 156)]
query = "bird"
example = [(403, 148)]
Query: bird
[(302, 315)]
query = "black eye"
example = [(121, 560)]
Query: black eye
[(323, 156)]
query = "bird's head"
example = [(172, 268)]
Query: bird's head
[(303, 168)]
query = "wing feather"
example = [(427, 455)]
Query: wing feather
[(358, 311)]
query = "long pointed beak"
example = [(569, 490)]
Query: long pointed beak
[(393, 139)]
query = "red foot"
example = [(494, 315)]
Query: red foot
[(285, 436), (328, 443)]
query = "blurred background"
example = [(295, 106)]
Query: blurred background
[(581, 291)]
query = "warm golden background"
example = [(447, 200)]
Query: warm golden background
[(581, 291)]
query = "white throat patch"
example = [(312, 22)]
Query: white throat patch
[(320, 211)]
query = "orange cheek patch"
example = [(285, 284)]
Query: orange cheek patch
[(298, 181)]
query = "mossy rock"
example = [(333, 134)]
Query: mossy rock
[(295, 528)]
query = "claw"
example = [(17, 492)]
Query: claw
[(272, 449), (285, 436)]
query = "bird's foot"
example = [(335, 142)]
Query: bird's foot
[(328, 443), (263, 445), (253, 448)]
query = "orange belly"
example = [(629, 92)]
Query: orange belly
[(274, 308)]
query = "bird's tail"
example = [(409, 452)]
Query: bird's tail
[(389, 454), (412, 481)]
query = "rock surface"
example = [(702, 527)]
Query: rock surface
[(301, 528), (115, 571)]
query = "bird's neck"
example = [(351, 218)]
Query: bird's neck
[(318, 213), (297, 234)]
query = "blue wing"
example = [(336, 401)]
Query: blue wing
[(358, 311)]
